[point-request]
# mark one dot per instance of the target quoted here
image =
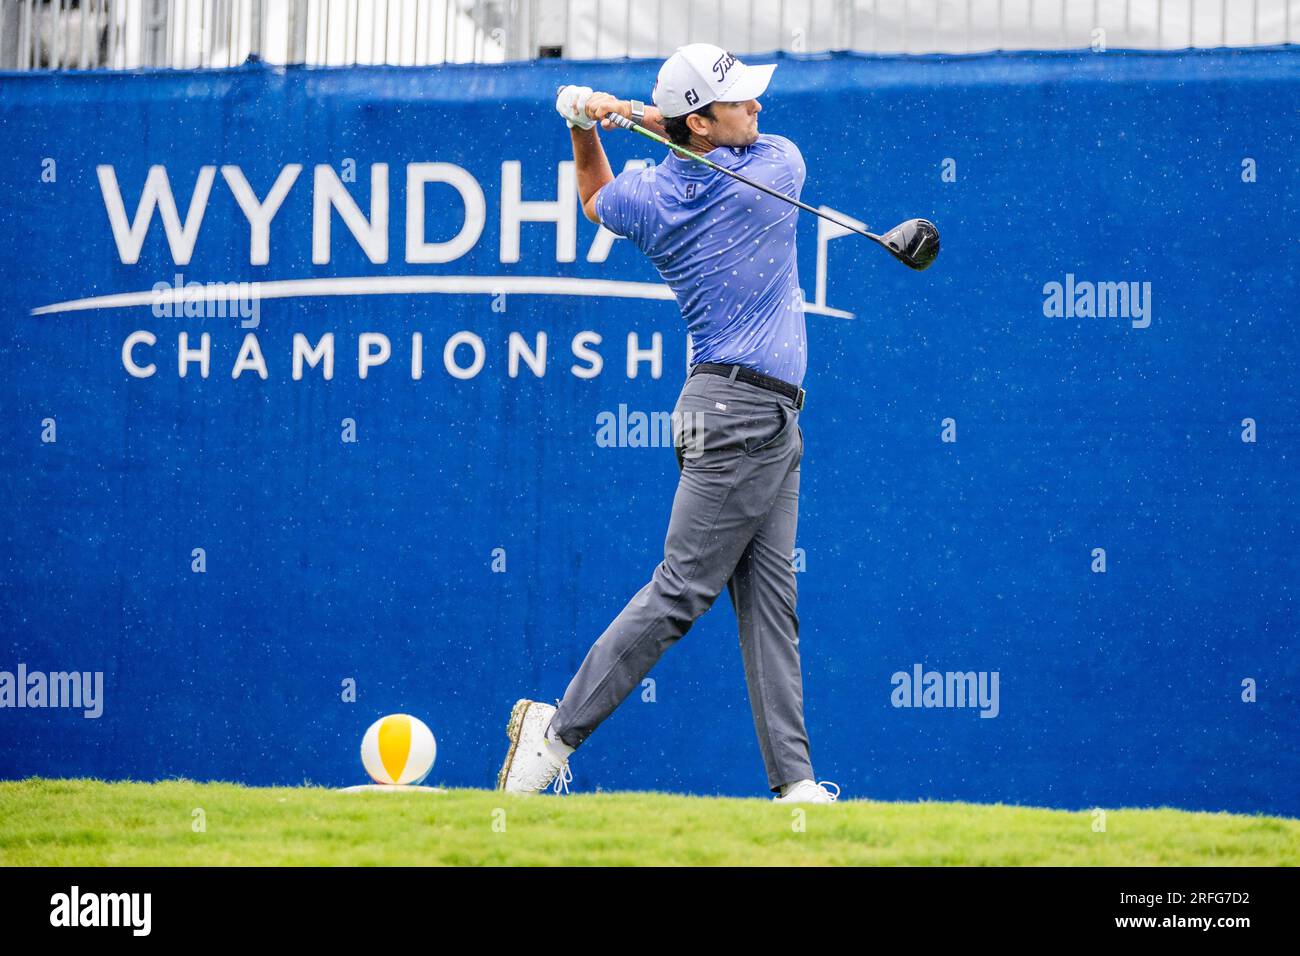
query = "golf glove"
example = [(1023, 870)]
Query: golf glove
[(572, 105)]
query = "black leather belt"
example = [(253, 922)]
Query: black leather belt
[(752, 377)]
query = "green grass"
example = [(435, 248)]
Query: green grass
[(92, 823)]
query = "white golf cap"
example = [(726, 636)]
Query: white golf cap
[(701, 73)]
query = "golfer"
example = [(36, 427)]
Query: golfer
[(728, 253)]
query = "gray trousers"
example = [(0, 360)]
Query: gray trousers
[(733, 524)]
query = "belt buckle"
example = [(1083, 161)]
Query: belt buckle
[(798, 402)]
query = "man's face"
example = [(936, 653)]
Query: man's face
[(735, 124)]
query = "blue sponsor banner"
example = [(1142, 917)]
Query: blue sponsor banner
[(305, 372)]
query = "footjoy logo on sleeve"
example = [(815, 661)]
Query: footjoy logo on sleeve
[(102, 909), (946, 689)]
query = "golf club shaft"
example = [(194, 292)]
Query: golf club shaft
[(622, 121)]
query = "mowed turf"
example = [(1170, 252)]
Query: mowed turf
[(88, 822)]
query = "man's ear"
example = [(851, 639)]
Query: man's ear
[(696, 124)]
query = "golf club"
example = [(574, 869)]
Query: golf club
[(914, 243)]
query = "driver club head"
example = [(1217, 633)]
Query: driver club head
[(914, 243)]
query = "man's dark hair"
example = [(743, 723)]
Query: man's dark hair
[(676, 128)]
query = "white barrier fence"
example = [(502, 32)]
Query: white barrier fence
[(128, 34)]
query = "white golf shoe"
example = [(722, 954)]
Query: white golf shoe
[(531, 763), (807, 791)]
